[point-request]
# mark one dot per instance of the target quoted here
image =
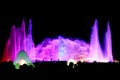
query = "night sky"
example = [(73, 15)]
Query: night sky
[(75, 23)]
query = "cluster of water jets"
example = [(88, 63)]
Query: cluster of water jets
[(62, 49)]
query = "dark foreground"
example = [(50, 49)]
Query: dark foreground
[(59, 71)]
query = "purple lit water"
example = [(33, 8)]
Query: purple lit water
[(60, 48), (108, 44)]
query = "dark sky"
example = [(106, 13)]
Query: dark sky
[(69, 22)]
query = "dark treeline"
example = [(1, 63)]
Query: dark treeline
[(59, 69)]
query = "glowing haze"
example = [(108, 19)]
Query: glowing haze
[(60, 48)]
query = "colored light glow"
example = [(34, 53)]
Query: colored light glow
[(73, 61), (22, 59), (60, 48)]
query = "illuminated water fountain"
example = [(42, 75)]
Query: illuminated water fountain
[(60, 48), (21, 59), (96, 53), (108, 44)]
